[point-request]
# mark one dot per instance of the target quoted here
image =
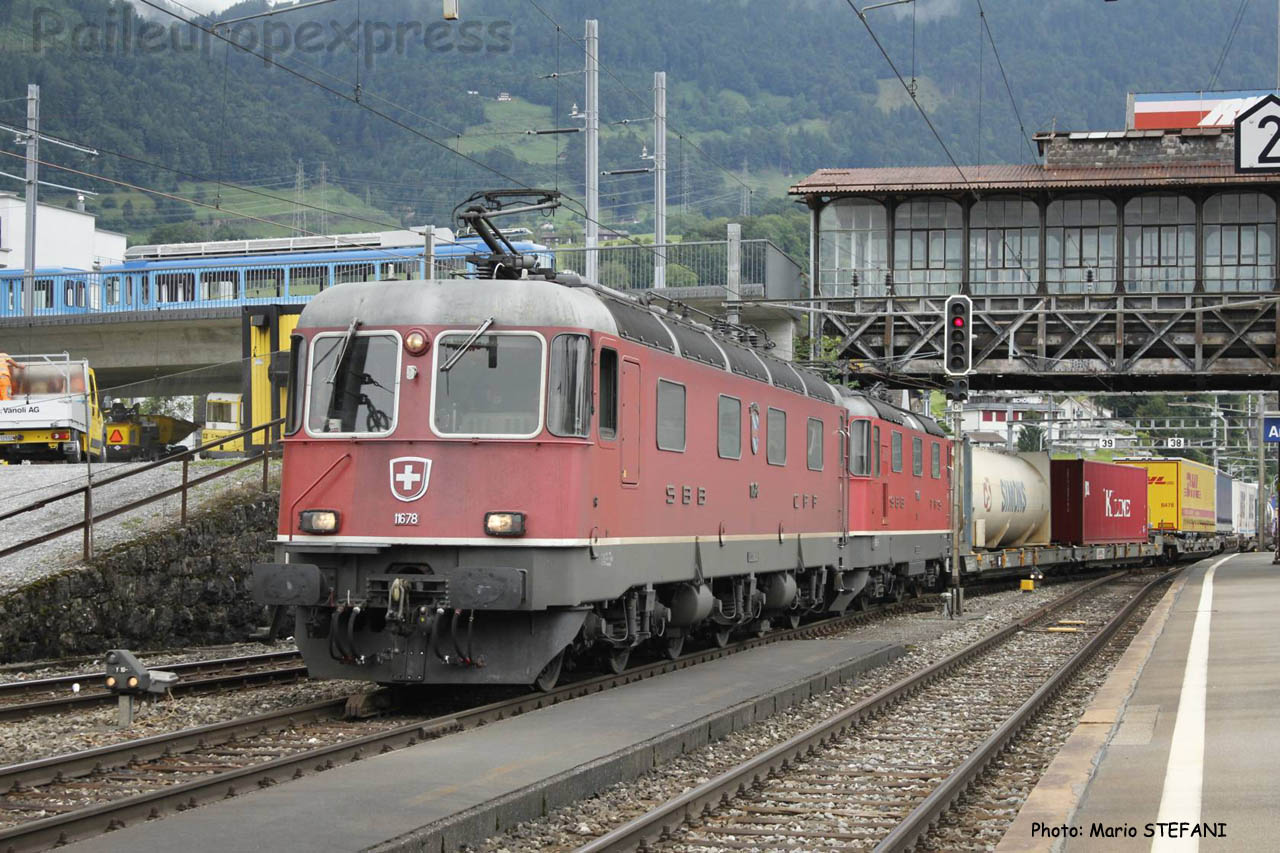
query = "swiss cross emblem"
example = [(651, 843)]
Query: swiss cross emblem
[(409, 477)]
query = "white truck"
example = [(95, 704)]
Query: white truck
[(49, 409)]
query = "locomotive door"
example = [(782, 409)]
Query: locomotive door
[(629, 422)]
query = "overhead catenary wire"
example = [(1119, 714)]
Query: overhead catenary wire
[(645, 101), (356, 100), (1022, 129), (1226, 47)]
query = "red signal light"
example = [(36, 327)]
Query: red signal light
[(958, 322)]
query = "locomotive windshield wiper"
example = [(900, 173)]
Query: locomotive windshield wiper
[(342, 350), (453, 359)]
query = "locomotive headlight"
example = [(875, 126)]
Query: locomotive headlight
[(319, 520), (504, 523), (416, 342)]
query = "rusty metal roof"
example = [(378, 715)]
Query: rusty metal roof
[(1012, 178)]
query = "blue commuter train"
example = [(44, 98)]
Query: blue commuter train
[(227, 280)]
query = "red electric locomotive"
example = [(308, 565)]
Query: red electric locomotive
[(482, 476)]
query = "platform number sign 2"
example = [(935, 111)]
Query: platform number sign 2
[(1258, 137)]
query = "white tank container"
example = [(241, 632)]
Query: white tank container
[(1010, 498)]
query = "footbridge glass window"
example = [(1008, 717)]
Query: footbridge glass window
[(1160, 243), (1239, 242), (853, 241), (354, 378), (1004, 246), (1080, 245), (490, 386), (308, 281), (569, 386), (927, 247)]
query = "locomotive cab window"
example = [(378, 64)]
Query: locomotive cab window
[(297, 384), (353, 384), (936, 466), (488, 386), (608, 393), (860, 448), (777, 437), (813, 444), (729, 428), (569, 386), (917, 456), (895, 464), (671, 399), (875, 451)]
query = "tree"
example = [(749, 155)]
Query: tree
[(177, 232), (1030, 438)]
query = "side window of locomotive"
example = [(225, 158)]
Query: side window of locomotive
[(493, 387), (353, 385), (729, 428), (777, 437), (297, 383), (895, 464), (875, 451), (608, 394), (670, 416), (813, 444), (860, 448), (917, 456), (569, 386), (936, 467)]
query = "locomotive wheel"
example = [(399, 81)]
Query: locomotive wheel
[(673, 647), (616, 660), (860, 603), (793, 620), (722, 637), (546, 680)]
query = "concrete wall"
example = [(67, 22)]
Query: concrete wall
[(177, 587)]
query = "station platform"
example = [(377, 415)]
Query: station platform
[(1180, 747), (465, 787)]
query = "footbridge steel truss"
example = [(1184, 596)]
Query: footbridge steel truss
[(1070, 342)]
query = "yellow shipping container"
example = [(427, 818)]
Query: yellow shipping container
[(1181, 494)]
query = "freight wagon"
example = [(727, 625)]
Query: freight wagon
[(1244, 514), (1095, 503)]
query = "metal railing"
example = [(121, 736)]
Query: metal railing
[(90, 518), (902, 284), (703, 263)]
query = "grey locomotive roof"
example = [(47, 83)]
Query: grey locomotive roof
[(467, 303), (464, 302)]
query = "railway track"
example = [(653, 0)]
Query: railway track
[(52, 801), (879, 774), (21, 699)]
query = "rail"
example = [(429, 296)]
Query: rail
[(91, 518), (666, 817)]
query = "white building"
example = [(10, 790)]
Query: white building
[(65, 239), (1069, 423)]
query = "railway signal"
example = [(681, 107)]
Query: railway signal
[(957, 389), (959, 352), (128, 679)]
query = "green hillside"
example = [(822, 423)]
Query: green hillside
[(762, 91)]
